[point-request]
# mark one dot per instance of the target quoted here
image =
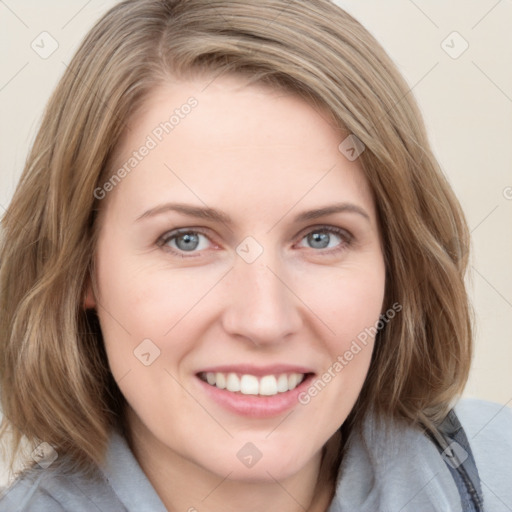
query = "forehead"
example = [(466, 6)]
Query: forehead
[(235, 145)]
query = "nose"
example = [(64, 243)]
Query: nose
[(262, 307)]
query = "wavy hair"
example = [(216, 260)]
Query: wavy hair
[(54, 376)]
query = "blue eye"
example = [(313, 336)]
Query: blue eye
[(185, 241), (325, 238)]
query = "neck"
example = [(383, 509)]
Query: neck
[(182, 484)]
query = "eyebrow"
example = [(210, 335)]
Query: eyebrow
[(218, 216), (187, 209), (329, 210)]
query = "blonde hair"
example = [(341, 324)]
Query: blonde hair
[(55, 382)]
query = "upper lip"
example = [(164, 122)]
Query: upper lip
[(257, 371)]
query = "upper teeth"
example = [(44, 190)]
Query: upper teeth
[(267, 385)]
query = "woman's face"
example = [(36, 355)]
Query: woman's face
[(240, 247)]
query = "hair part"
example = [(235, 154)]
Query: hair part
[(54, 376)]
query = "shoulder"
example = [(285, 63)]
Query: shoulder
[(488, 427), (393, 466), (390, 465), (27, 495), (118, 485), (56, 490), (481, 419), (59, 487)]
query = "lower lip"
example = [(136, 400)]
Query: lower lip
[(256, 406)]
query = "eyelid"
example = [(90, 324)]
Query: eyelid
[(174, 233), (347, 239), (345, 235), (180, 231)]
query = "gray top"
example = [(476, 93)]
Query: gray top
[(397, 471)]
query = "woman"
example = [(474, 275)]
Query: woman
[(243, 278)]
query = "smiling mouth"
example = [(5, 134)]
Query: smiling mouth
[(246, 384)]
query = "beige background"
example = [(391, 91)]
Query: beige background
[(466, 101)]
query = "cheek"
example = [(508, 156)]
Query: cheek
[(348, 300), (348, 303), (350, 307), (140, 302)]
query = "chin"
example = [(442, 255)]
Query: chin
[(264, 464)]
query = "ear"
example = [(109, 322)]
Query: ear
[(89, 299)]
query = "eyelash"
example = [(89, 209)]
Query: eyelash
[(345, 236)]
